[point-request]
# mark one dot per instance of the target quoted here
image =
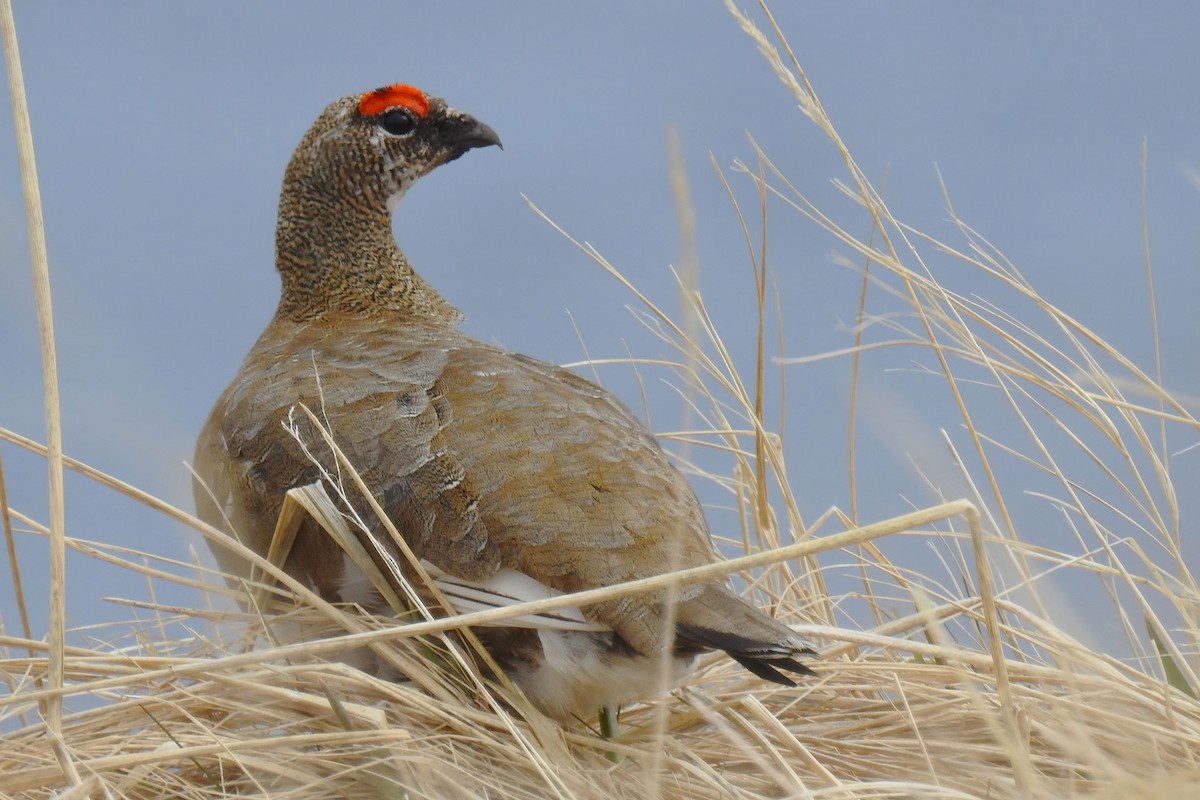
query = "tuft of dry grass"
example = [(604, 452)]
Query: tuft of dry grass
[(932, 685)]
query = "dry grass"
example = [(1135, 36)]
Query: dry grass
[(977, 693)]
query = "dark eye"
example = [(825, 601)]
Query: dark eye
[(399, 122)]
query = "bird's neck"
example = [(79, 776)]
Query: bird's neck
[(336, 256)]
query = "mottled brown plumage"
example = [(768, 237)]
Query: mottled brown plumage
[(482, 458)]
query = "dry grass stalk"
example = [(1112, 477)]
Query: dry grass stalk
[(41, 283), (975, 693)]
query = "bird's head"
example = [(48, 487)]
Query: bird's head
[(369, 148)]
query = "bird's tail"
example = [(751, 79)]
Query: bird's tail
[(720, 620)]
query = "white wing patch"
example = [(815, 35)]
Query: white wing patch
[(507, 588)]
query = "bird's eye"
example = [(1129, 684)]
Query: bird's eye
[(399, 122)]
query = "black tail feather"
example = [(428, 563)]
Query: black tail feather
[(764, 659)]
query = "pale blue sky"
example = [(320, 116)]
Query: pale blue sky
[(163, 128)]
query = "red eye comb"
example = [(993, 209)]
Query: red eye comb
[(397, 94)]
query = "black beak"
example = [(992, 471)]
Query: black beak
[(462, 132)]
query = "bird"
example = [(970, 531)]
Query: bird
[(497, 468)]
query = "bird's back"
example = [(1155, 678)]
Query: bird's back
[(568, 485)]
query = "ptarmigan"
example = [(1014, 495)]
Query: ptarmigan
[(489, 462)]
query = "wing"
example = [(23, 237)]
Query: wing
[(384, 403)]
